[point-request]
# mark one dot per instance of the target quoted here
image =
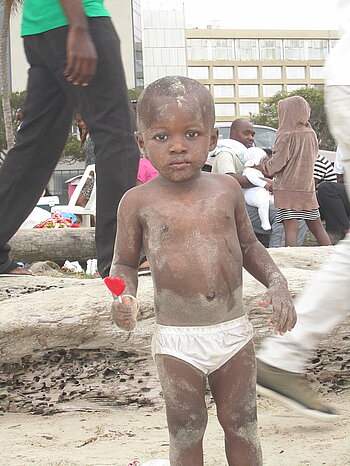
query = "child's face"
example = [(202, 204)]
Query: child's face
[(176, 137)]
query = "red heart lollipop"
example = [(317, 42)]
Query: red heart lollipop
[(115, 284)]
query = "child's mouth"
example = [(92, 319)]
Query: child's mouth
[(179, 165)]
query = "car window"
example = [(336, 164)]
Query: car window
[(264, 137), (224, 132)]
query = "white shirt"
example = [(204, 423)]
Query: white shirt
[(338, 163), (337, 69)]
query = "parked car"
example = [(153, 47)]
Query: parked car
[(264, 135)]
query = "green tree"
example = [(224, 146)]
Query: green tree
[(9, 7), (134, 94), (315, 97), (16, 102), (72, 150)]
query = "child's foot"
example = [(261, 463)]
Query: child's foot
[(17, 271), (292, 390), (144, 268)]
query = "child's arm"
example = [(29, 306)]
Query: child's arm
[(279, 158), (258, 262), (126, 259)]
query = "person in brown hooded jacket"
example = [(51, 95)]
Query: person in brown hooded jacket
[(292, 163)]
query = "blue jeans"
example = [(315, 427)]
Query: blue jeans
[(48, 110)]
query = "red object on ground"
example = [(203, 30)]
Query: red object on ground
[(115, 284), (263, 303)]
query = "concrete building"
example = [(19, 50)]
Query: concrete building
[(126, 16), (244, 67), (164, 44), (240, 67)]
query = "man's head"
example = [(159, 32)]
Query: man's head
[(176, 126), (243, 131), (19, 114)]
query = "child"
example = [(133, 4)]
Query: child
[(292, 162), (261, 195), (146, 171), (197, 237)]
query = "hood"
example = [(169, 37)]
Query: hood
[(293, 114)]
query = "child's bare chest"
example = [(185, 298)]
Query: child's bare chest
[(187, 218)]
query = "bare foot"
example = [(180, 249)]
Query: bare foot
[(20, 271), (144, 265)]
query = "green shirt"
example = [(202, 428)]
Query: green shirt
[(43, 15)]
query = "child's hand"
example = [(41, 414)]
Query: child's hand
[(125, 313), (269, 187), (283, 312)]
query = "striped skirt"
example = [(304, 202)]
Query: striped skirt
[(288, 214)]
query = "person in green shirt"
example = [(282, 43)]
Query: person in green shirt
[(75, 65)]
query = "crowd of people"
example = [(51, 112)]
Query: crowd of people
[(196, 228)]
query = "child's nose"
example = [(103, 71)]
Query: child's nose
[(177, 146)]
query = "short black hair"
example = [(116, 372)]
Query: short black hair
[(176, 86), (237, 122)]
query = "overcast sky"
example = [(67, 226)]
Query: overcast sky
[(255, 14)]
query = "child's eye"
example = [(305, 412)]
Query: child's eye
[(161, 137), (192, 133)]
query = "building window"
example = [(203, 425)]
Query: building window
[(271, 89), (247, 49), (222, 72), (333, 43), (270, 49), (319, 87), (221, 49), (316, 72), (295, 72), (197, 49), (248, 90), (198, 72), (247, 109), (224, 90), (247, 72), (294, 87), (317, 49), (294, 49), (271, 72), (210, 49), (225, 109)]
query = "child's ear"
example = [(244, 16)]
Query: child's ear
[(140, 142), (214, 138)]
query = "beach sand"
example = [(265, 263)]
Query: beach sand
[(117, 437)]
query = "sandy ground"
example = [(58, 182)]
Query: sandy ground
[(126, 434)]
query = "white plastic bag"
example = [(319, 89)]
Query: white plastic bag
[(156, 463)]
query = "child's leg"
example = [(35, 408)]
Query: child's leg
[(317, 229), (183, 389), (291, 232), (233, 389), (264, 209)]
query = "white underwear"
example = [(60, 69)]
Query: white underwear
[(205, 347)]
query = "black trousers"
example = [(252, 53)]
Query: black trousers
[(334, 206), (48, 110)]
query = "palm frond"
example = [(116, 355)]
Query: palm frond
[(15, 5)]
